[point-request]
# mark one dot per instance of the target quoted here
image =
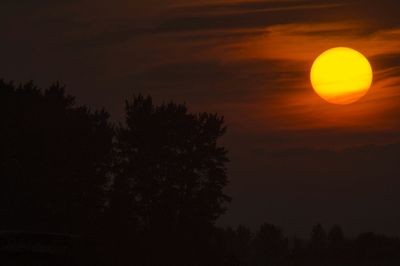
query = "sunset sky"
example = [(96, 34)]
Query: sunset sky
[(295, 159)]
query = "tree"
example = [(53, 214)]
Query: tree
[(336, 236), (269, 244), (319, 241), (337, 242), (299, 248), (54, 160), (236, 246), (242, 244), (170, 169)]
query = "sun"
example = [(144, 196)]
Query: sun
[(341, 75)]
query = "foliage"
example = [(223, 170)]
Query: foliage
[(170, 172), (54, 159)]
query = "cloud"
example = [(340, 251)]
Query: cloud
[(246, 6), (243, 15), (386, 61), (221, 82), (28, 8)]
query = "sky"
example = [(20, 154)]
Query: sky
[(296, 160)]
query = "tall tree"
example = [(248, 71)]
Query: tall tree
[(54, 159), (170, 168)]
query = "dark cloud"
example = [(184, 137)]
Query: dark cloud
[(275, 5), (388, 66), (223, 36), (260, 14), (36, 2), (20, 8), (240, 81), (247, 15), (386, 60), (216, 20), (379, 14), (107, 37)]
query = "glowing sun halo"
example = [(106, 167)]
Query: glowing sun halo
[(341, 75)]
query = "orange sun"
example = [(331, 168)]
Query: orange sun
[(341, 75)]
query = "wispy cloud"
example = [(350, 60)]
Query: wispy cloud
[(243, 15)]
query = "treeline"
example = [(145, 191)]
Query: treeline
[(269, 246), (147, 191)]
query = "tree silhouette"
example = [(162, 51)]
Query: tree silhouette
[(269, 244), (170, 172), (237, 246), (148, 193), (54, 159), (243, 243), (336, 242), (319, 241), (299, 248)]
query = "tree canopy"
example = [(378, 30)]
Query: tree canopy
[(54, 159)]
